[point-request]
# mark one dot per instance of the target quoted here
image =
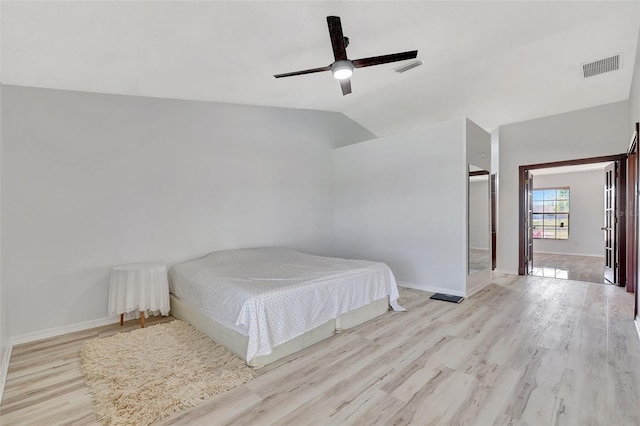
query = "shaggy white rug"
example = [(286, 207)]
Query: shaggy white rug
[(147, 374)]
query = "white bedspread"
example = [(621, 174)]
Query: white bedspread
[(272, 295)]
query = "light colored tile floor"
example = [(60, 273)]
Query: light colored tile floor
[(569, 267)]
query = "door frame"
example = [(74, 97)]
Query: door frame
[(526, 207), (610, 223), (632, 218), (494, 209), (621, 192)]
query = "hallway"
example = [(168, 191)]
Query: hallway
[(569, 267)]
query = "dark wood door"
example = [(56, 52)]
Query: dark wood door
[(631, 218), (609, 226), (493, 220), (528, 221)]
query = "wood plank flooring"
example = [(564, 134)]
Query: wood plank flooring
[(523, 351)]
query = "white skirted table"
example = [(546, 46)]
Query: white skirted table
[(139, 287)]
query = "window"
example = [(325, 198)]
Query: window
[(551, 213)]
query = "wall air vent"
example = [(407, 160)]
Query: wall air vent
[(410, 65), (601, 66)]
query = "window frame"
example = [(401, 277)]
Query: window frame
[(544, 213)]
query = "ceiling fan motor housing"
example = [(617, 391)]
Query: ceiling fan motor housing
[(342, 69)]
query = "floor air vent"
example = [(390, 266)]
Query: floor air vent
[(601, 66)]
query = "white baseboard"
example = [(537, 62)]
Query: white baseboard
[(506, 271), (58, 331), (430, 288), (568, 254), (4, 367), (637, 321)]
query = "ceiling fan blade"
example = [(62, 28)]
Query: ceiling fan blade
[(309, 71), (346, 86), (384, 59), (337, 38)]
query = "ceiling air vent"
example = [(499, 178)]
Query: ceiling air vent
[(409, 66), (600, 66)]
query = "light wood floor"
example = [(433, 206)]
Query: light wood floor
[(524, 351)]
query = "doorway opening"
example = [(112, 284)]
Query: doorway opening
[(568, 237), (541, 227)]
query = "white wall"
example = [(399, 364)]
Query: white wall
[(586, 205), (4, 320), (602, 130), (477, 145), (401, 199), (634, 95), (4, 323), (90, 181)]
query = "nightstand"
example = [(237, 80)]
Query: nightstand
[(140, 287)]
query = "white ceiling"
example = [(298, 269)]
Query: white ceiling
[(494, 62)]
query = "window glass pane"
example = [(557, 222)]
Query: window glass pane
[(562, 206), (537, 220), (549, 220), (563, 194), (553, 223), (562, 233), (562, 221)]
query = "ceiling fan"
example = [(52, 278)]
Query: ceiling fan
[(342, 68)]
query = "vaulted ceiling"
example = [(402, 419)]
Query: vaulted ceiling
[(494, 62)]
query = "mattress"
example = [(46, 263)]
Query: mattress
[(272, 295)]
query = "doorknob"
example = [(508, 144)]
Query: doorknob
[(604, 229)]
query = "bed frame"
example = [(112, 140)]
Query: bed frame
[(237, 343)]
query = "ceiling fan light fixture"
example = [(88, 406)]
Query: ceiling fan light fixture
[(342, 70)]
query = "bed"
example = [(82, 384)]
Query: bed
[(266, 303)]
